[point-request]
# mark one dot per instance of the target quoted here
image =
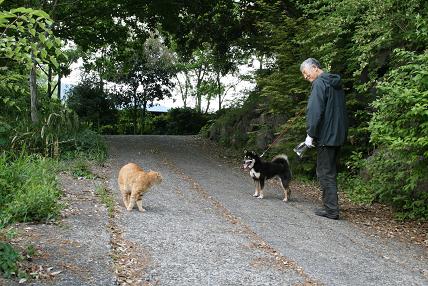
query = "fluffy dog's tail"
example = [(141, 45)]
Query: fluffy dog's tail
[(280, 159), (283, 160)]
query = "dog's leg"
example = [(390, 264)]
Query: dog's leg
[(262, 184), (256, 194), (286, 188)]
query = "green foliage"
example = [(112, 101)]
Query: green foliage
[(232, 127), (178, 121), (28, 189), (399, 127), (396, 172), (92, 104), (9, 258), (389, 177), (88, 144), (28, 38), (400, 121), (59, 133), (57, 130), (79, 168), (106, 199), (184, 121), (143, 69)]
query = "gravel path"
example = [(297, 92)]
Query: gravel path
[(76, 250), (203, 227)]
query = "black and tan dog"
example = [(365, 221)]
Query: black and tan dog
[(261, 171)]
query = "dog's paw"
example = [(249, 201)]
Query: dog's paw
[(285, 200), (256, 195), (129, 209), (260, 197), (142, 210)]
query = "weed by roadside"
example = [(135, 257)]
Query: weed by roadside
[(78, 168), (13, 258), (28, 189), (106, 199)]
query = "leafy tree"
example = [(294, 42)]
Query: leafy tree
[(28, 40), (183, 84), (145, 71), (91, 104)]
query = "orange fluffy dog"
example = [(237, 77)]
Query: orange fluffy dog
[(133, 182)]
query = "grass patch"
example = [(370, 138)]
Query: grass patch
[(13, 259), (106, 199), (9, 258), (79, 168), (28, 189)]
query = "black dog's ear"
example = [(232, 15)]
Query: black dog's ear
[(252, 152)]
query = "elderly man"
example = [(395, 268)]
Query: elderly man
[(327, 127)]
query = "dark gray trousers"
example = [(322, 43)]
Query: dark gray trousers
[(327, 157)]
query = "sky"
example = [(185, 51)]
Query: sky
[(238, 91)]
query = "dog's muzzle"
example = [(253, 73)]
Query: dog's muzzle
[(247, 164)]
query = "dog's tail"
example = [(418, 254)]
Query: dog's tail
[(280, 159), (283, 160)]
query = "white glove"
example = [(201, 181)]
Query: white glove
[(309, 141)]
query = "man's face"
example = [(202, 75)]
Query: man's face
[(310, 73)]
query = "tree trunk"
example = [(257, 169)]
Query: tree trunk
[(200, 76), (33, 94), (135, 113), (183, 90), (58, 86), (219, 91), (208, 105), (49, 81), (143, 115), (186, 88)]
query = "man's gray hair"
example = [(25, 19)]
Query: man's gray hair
[(309, 63)]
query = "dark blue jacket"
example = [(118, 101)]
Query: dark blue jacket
[(326, 115)]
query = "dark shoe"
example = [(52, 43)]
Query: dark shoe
[(324, 213)]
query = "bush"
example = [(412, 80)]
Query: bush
[(396, 172), (401, 119), (28, 189), (392, 178), (9, 258), (108, 130), (92, 104), (91, 144), (178, 121), (185, 121), (79, 168)]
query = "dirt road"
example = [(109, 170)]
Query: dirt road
[(203, 227)]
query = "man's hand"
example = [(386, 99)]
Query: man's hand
[(309, 141)]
